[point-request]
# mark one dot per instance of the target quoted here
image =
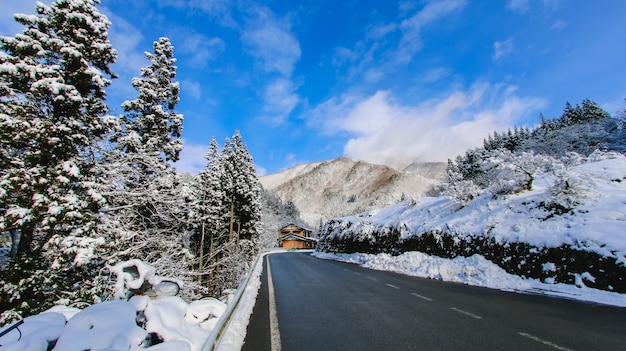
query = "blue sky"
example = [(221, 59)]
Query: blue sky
[(382, 81)]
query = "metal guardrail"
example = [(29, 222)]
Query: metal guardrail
[(223, 322)]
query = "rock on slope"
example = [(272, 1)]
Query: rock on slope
[(345, 186)]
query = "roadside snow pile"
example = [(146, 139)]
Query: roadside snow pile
[(570, 228), (156, 322), (474, 270)]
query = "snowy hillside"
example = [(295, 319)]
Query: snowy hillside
[(344, 186), (525, 233)]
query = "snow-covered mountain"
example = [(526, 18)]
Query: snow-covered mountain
[(345, 186)]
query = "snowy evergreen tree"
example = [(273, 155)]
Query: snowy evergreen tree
[(151, 124), (53, 83), (149, 204), (211, 215), (243, 188), (52, 88)]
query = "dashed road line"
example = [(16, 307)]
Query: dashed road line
[(371, 278), (466, 313), (422, 297), (274, 332), (357, 273), (392, 286), (545, 342)]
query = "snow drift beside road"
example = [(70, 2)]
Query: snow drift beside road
[(474, 270)]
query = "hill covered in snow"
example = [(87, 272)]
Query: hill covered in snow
[(539, 233), (343, 186)]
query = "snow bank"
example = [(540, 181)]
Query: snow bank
[(121, 324), (474, 270)]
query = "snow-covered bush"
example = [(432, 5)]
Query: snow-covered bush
[(142, 322)]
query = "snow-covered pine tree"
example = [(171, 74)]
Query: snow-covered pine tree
[(593, 112), (242, 202), (152, 125), (148, 201), (246, 189), (211, 215), (52, 85)]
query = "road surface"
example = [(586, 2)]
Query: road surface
[(327, 305)]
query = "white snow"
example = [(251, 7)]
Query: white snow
[(474, 270), (597, 224), (120, 324)]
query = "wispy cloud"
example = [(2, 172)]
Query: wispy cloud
[(524, 6), (518, 5), (271, 42), (380, 52), (191, 88), (435, 74), (411, 41), (385, 131), (559, 24), (192, 158), (280, 100), (198, 47), (277, 51), (502, 48), (218, 10)]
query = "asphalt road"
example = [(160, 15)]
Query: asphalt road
[(328, 305)]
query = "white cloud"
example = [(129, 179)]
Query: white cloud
[(502, 48), (379, 52), (280, 100), (559, 24), (411, 42), (518, 5), (192, 158), (199, 47), (435, 74), (126, 39), (277, 50), (270, 41), (385, 131), (220, 10), (191, 88), (524, 6)]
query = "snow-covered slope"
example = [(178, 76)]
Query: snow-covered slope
[(527, 224), (346, 186)]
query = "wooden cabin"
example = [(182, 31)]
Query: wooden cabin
[(292, 236)]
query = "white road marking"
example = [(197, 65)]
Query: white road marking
[(357, 273), (422, 297), (466, 313), (274, 332), (392, 286), (374, 279), (545, 342)]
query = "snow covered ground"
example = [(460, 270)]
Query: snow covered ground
[(474, 270), (597, 223), (120, 324)]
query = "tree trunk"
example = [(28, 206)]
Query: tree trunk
[(26, 239), (201, 255)]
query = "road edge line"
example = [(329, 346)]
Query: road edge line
[(274, 331)]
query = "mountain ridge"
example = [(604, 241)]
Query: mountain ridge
[(344, 186)]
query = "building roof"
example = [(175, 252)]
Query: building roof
[(291, 225), (292, 236)]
